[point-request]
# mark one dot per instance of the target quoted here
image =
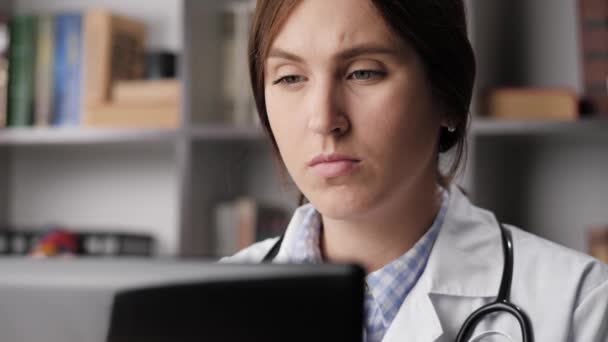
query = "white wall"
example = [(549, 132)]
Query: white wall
[(569, 189), (527, 42), (553, 186)]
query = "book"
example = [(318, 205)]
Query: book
[(597, 241), (67, 70), (593, 21), (114, 51), (225, 234), (115, 244), (241, 222), (237, 101), (4, 55), (146, 92), (533, 103), (22, 54), (44, 70), (17, 242), (132, 116)]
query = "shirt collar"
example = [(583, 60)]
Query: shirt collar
[(392, 283)]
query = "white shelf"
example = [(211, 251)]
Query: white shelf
[(581, 128), (93, 136), (77, 135), (226, 133)]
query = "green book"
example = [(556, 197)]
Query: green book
[(22, 61)]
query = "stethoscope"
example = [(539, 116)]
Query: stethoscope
[(501, 304)]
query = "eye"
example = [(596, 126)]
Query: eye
[(289, 80), (365, 75)]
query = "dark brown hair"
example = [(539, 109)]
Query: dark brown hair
[(435, 28)]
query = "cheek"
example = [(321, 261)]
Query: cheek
[(400, 117), (284, 124)]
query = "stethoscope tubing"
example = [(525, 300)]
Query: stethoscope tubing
[(503, 301)]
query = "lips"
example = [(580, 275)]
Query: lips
[(333, 165)]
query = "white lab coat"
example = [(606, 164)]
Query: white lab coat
[(565, 293)]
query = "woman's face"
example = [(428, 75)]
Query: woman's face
[(350, 108)]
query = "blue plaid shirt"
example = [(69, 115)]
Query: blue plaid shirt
[(386, 287)]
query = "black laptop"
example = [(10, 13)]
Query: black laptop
[(237, 303)]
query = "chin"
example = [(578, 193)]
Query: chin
[(340, 205)]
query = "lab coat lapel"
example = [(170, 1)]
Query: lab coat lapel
[(417, 319), (467, 258), (466, 262)]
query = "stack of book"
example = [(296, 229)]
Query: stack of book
[(63, 70), (532, 104), (241, 222), (593, 19), (237, 102)]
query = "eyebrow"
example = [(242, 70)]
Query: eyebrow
[(344, 54)]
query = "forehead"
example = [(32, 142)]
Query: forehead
[(317, 27)]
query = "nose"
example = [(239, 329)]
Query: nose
[(327, 114)]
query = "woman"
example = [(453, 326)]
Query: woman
[(360, 97)]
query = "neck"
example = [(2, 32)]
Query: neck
[(376, 240)]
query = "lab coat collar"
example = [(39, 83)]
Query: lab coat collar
[(466, 261), (467, 258)]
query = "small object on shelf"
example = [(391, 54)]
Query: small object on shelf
[(593, 16), (532, 104), (160, 65), (146, 92), (587, 108), (597, 240), (57, 242)]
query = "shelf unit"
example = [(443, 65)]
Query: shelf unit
[(164, 182), (550, 178), (547, 177)]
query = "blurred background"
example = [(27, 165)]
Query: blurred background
[(129, 129)]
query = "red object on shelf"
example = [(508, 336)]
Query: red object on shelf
[(57, 242)]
